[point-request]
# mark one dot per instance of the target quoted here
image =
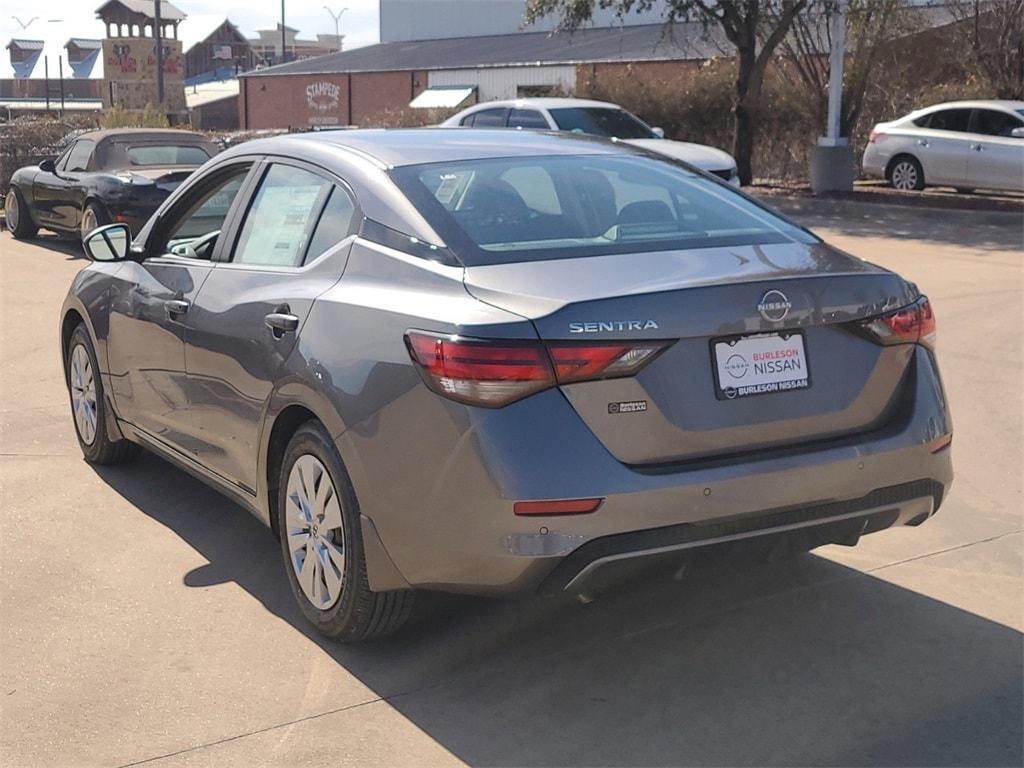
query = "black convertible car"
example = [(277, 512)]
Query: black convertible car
[(102, 177)]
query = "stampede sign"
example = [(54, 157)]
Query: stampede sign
[(323, 98)]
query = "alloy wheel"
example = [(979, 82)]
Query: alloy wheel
[(316, 537), (11, 210), (83, 394), (904, 175), (88, 222)]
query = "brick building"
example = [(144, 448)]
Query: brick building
[(358, 86)]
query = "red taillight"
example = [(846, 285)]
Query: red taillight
[(875, 136), (556, 507), (480, 372), (585, 362), (493, 373), (913, 324)]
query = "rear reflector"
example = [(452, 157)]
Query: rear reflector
[(559, 507), (939, 443), (913, 324), (493, 373)]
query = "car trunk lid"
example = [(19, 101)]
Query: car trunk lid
[(679, 407)]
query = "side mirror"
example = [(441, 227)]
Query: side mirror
[(109, 243), (659, 132), (48, 166), (1017, 133)]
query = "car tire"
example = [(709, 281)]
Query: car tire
[(322, 544), (93, 215), (906, 173), (17, 216), (88, 405)]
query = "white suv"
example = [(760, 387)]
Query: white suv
[(597, 118), (962, 144)]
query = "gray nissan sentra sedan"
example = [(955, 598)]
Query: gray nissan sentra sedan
[(494, 362)]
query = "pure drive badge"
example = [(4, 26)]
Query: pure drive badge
[(629, 406)]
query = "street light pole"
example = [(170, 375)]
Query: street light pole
[(337, 18), (159, 40), (284, 46), (837, 33), (832, 162)]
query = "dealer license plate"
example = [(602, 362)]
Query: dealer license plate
[(760, 365)]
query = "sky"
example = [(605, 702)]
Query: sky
[(61, 19)]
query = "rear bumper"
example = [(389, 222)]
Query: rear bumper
[(874, 162), (439, 484), (840, 522)]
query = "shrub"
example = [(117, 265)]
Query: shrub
[(118, 117)]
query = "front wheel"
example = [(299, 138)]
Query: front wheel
[(322, 544), (906, 174), (88, 407), (19, 220)]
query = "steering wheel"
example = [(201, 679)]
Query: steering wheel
[(200, 248)]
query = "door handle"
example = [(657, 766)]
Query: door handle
[(978, 147), (281, 323), (922, 142), (177, 307)]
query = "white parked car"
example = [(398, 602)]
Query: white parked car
[(963, 144), (598, 118)]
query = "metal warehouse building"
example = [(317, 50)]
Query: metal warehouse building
[(450, 52)]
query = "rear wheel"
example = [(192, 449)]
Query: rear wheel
[(93, 216), (88, 407), (19, 221), (906, 173), (322, 544)]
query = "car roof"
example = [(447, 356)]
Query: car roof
[(1006, 104), (544, 102), (394, 147)]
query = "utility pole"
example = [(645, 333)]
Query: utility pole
[(337, 18), (284, 46), (60, 68), (158, 37)]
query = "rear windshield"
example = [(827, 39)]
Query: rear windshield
[(537, 208), (601, 121), (167, 154)]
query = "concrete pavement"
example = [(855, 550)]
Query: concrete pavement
[(145, 619)]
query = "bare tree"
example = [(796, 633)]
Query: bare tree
[(755, 28), (995, 34), (870, 25)]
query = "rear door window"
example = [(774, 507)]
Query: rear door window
[(286, 210), (993, 123), (956, 120), (527, 118), (490, 118)]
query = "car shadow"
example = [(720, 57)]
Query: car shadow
[(63, 245), (800, 661)]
